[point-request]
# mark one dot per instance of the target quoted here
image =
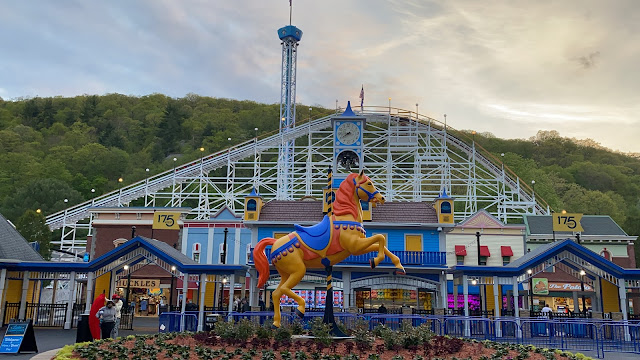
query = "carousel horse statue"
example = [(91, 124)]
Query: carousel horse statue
[(339, 235)]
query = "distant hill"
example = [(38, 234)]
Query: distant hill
[(56, 148)]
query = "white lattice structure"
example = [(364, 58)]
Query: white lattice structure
[(410, 157)]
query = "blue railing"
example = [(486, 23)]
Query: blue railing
[(407, 258)]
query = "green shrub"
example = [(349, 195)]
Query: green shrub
[(225, 329), (321, 331), (245, 330), (283, 333), (296, 327), (264, 331)]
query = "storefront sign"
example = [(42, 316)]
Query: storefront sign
[(166, 220), (560, 286), (540, 286), (140, 283), (567, 222), (19, 338)]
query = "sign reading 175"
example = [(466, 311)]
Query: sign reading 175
[(166, 220), (567, 222)]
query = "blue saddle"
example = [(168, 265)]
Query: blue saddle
[(317, 236)]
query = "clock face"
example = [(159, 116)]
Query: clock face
[(348, 133)]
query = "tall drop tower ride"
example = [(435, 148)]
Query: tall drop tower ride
[(290, 36)]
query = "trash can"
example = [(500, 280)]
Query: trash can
[(84, 332)]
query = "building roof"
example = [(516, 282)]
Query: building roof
[(159, 249), (542, 254), (309, 211), (13, 246), (592, 225)]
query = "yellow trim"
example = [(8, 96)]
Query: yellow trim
[(610, 298), (103, 284), (13, 291), (491, 301)]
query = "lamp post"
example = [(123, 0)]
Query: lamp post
[(173, 270), (224, 282), (120, 180), (474, 137), (478, 245), (529, 272), (223, 260), (533, 188), (126, 298), (256, 130), (584, 305)]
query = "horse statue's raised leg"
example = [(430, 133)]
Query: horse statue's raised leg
[(291, 269), (394, 259), (357, 245)]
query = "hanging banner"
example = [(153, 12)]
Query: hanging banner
[(540, 286), (164, 220)]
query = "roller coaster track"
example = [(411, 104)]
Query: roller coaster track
[(520, 197)]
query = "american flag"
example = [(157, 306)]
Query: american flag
[(362, 97)]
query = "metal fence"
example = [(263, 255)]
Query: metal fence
[(11, 311), (573, 334), (46, 315)]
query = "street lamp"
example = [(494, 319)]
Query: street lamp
[(256, 130), (224, 282), (126, 298), (529, 272), (39, 211), (173, 276), (474, 136), (478, 245), (584, 305), (533, 188)]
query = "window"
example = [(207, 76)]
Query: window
[(252, 205), (606, 254), (483, 260), (459, 260), (196, 252), (278, 235), (118, 242), (506, 260), (413, 242), (445, 207)]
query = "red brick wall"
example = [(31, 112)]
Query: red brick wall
[(104, 235)]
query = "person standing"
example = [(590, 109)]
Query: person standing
[(118, 306), (108, 315)]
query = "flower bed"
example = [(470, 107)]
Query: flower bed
[(245, 341)]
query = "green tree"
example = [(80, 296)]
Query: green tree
[(45, 194), (33, 227)]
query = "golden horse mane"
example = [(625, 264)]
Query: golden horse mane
[(344, 204)]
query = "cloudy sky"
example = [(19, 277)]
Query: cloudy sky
[(507, 67)]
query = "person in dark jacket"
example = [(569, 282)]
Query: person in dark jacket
[(108, 315), (382, 309)]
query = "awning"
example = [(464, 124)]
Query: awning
[(506, 251), (484, 251), (461, 250), (191, 285)]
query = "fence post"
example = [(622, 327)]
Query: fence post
[(23, 299)]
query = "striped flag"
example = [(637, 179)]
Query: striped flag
[(362, 98)]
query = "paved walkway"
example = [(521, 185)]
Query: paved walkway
[(50, 340), (53, 339)]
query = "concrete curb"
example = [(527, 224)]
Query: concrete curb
[(47, 355)]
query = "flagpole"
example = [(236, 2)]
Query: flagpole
[(290, 11)]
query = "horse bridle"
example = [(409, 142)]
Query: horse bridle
[(371, 195)]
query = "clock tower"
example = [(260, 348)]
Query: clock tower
[(348, 143)]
